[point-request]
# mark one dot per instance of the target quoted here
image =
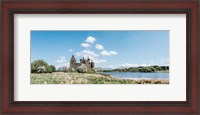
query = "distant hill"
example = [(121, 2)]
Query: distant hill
[(101, 69), (62, 68), (122, 67)]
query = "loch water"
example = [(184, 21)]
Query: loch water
[(139, 75)]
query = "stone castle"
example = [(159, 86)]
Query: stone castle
[(73, 64)]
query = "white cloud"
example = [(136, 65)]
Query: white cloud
[(90, 39), (152, 63), (105, 53), (144, 65), (163, 62), (85, 45), (111, 66), (131, 65), (61, 59), (113, 52), (99, 60), (167, 65), (87, 53), (99, 47), (70, 50), (62, 65), (78, 54), (108, 53), (92, 55), (126, 65)]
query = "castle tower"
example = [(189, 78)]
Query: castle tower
[(88, 60), (92, 64), (72, 61)]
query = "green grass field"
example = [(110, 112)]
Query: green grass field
[(85, 78)]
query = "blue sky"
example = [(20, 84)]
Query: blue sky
[(108, 49)]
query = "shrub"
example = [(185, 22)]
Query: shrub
[(82, 69), (53, 68), (48, 69), (40, 66), (41, 69)]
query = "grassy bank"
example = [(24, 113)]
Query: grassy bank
[(85, 78)]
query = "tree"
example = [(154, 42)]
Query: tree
[(40, 66), (48, 69), (53, 68)]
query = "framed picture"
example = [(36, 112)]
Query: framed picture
[(99, 57)]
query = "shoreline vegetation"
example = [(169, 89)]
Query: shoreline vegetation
[(154, 68), (86, 78)]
